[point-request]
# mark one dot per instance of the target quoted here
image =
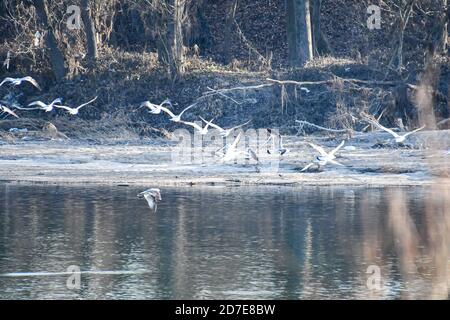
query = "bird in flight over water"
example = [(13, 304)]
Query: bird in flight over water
[(152, 196)]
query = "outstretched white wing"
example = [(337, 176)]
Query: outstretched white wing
[(236, 141), (170, 113), (241, 125), (307, 167), (151, 201), (208, 124), (65, 108), (376, 124), (215, 126), (231, 150), (147, 104), (57, 100), (332, 153), (20, 108), (85, 104), (152, 196), (192, 124), (6, 80), (187, 108), (38, 103), (319, 149), (167, 101), (414, 131), (32, 81), (9, 111), (335, 162)]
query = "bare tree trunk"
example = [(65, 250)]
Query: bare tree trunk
[(171, 49), (439, 32), (89, 27), (56, 57), (447, 19), (320, 43), (404, 14), (425, 98), (226, 45), (177, 44), (400, 50), (201, 34), (403, 107), (161, 17), (299, 32)]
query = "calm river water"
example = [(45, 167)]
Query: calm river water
[(225, 243)]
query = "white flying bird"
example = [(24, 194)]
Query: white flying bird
[(201, 130), (17, 81), (7, 110), (324, 156), (231, 151), (74, 111), (226, 132), (173, 117), (152, 196), (155, 108), (43, 106), (398, 138)]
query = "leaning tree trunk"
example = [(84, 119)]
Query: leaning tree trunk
[(299, 32), (56, 57), (320, 43), (92, 52)]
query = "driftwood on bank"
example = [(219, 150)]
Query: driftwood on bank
[(313, 93), (303, 122), (271, 82)]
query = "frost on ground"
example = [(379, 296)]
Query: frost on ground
[(367, 162)]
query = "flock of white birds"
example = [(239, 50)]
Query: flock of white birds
[(228, 153), (38, 105), (231, 151)]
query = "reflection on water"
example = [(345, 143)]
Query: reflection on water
[(217, 242)]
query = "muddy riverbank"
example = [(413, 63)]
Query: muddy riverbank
[(76, 162)]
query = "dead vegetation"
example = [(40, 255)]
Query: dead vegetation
[(359, 74)]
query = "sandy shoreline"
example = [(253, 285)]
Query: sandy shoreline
[(137, 163)]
